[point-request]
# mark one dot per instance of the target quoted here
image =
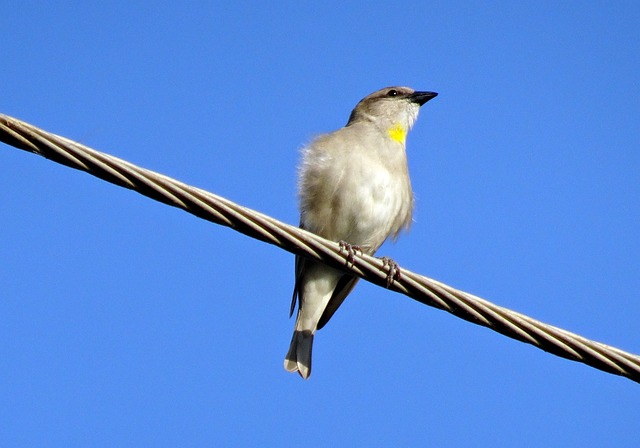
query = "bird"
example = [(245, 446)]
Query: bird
[(353, 188)]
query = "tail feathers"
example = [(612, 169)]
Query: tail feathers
[(298, 358)]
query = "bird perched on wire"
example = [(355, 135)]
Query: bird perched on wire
[(354, 188)]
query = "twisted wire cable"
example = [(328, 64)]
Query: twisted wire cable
[(219, 210)]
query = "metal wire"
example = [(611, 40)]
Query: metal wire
[(292, 239)]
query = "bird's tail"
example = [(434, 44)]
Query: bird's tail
[(298, 358)]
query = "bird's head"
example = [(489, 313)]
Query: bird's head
[(392, 109)]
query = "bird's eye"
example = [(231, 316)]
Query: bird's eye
[(392, 93)]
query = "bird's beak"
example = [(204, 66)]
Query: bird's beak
[(421, 97)]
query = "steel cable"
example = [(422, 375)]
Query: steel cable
[(295, 240)]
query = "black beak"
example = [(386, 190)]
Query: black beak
[(421, 97)]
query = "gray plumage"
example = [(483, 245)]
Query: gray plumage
[(354, 186)]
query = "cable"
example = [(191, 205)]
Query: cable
[(219, 210)]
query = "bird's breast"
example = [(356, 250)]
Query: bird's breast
[(364, 200)]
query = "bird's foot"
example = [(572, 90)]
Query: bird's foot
[(393, 270), (351, 250)]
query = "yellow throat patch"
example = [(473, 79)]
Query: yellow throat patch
[(397, 133)]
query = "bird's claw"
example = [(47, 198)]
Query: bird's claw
[(393, 270), (351, 250)]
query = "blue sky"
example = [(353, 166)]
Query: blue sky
[(129, 323)]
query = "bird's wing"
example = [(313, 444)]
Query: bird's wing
[(343, 288), (341, 291), (300, 263)]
